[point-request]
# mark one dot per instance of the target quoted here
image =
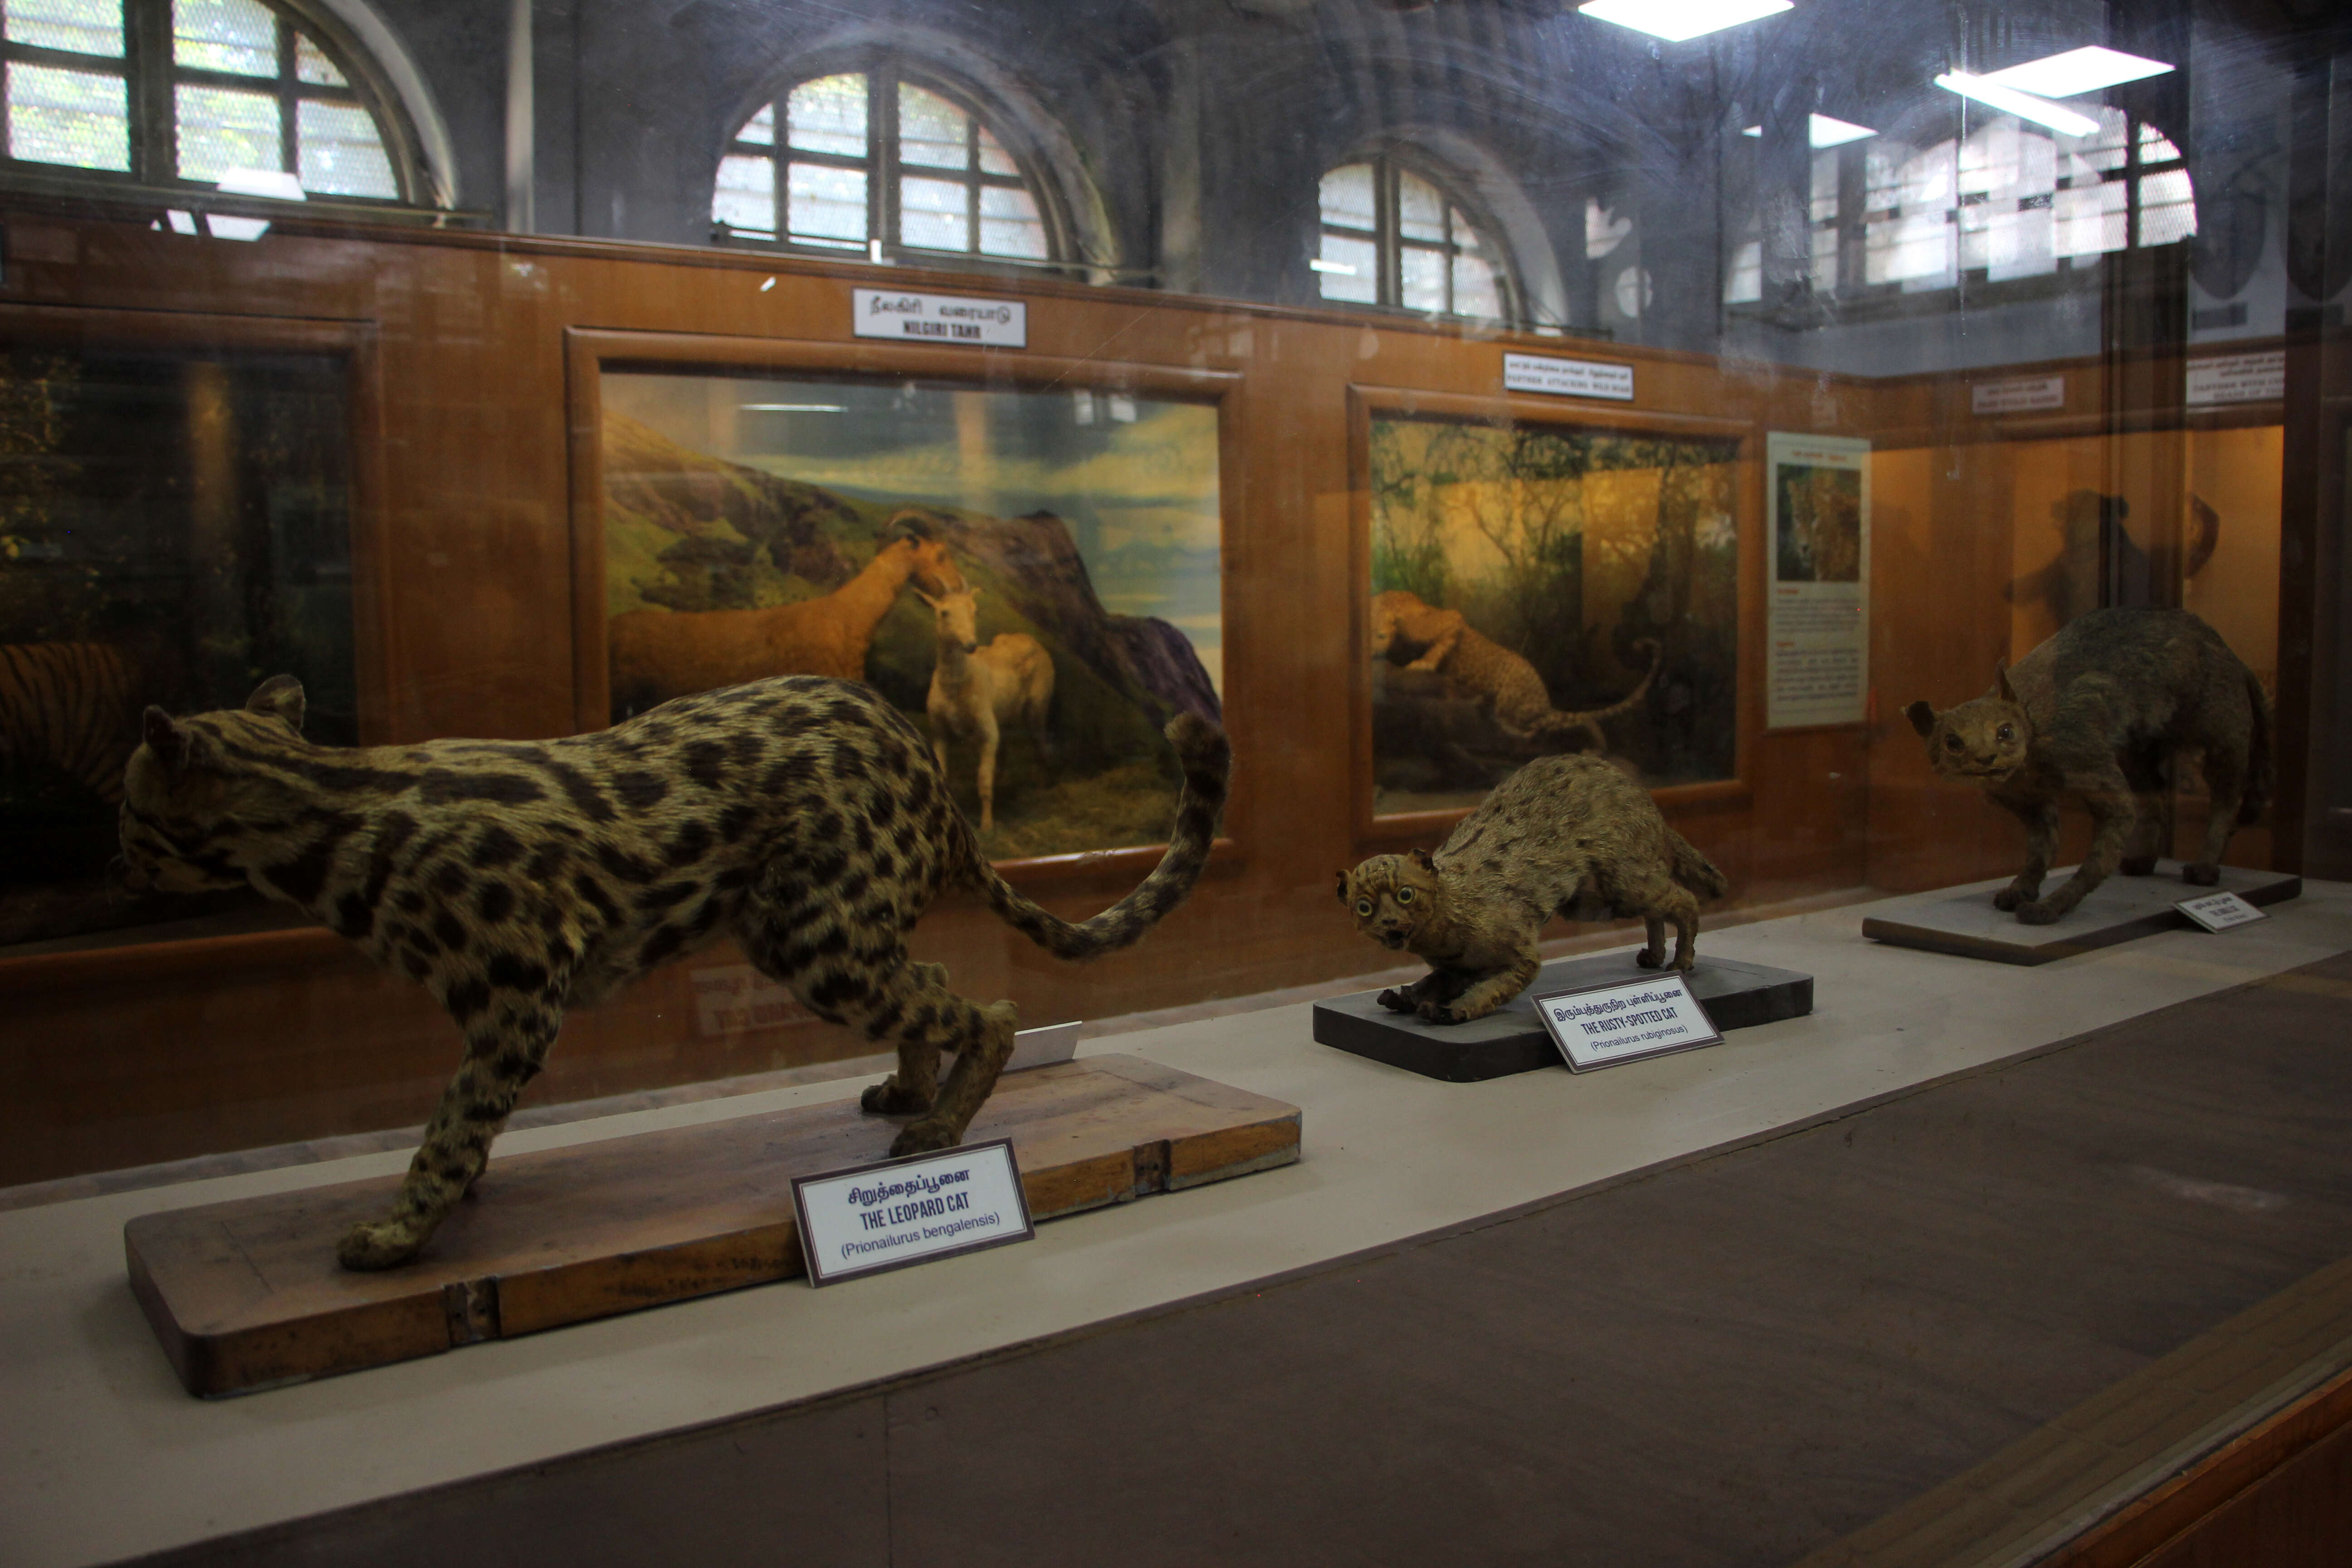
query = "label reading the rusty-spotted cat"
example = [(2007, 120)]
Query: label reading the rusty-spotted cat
[(2220, 911), (1626, 1020), (925, 1207)]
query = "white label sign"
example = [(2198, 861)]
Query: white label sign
[(2018, 396), (938, 319), (2237, 378), (1567, 377), (910, 1211), (2220, 911), (1626, 1020)]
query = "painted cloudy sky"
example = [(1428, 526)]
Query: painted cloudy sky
[(1135, 479)]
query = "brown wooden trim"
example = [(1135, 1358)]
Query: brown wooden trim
[(2175, 1508), (142, 963)]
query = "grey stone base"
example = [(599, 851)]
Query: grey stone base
[(1963, 921)]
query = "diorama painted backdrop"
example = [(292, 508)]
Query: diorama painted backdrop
[(1540, 588), (173, 530), (805, 524)]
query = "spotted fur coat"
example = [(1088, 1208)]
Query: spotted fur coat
[(803, 815)]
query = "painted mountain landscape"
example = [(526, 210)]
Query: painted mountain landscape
[(760, 527)]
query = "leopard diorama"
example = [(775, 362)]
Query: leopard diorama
[(801, 815), (1409, 631), (1565, 834)]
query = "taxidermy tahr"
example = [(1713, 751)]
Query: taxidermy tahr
[(1561, 836), (2099, 712), (802, 814)]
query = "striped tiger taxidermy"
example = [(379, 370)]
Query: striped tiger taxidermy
[(802, 814), (72, 706)]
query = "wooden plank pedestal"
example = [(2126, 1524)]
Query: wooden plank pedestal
[(248, 1295)]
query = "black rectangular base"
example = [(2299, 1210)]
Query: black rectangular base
[(1511, 1040), (1963, 921)]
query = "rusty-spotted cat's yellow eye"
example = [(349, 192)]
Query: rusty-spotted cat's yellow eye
[(1364, 907), (1405, 895)]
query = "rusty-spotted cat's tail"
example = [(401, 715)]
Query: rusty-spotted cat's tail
[(1695, 870), (1206, 757), (2262, 768)]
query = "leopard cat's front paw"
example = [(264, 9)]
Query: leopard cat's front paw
[(932, 1133), (2040, 912), (2201, 875), (1395, 1001), (2137, 865), (886, 1098), (1650, 958), (380, 1244)]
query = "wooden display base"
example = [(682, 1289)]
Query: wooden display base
[(1964, 922), (1512, 1040), (248, 1295)]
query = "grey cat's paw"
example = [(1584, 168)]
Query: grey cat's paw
[(2010, 898), (1395, 1001), (1649, 960), (2040, 913), (384, 1244), (2201, 875), (886, 1098), (2137, 865), (922, 1137)]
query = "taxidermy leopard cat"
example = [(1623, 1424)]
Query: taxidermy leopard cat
[(801, 815), (2099, 711), (1561, 836)]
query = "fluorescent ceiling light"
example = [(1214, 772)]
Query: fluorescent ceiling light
[(1675, 20), (1825, 131), (274, 182), (2076, 71), (2024, 105), (1753, 130), (792, 408), (1344, 268)]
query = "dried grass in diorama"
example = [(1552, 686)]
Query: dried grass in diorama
[(808, 525), (1546, 588)]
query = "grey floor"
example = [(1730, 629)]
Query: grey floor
[(1734, 1361)]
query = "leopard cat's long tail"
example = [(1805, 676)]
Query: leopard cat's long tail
[(1695, 870), (1206, 757), (2261, 767), (1558, 725)]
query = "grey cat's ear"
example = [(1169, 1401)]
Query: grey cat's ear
[(1426, 863), (1922, 716), (280, 697), (2000, 682), (1343, 887)]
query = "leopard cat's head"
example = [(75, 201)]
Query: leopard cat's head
[(1392, 897), (1983, 740), (188, 800)]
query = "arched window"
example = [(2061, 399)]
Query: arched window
[(1392, 237), (861, 160), (167, 93), (2007, 202)]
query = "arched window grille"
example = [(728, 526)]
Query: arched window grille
[(863, 160), (1392, 237), (2009, 201), (165, 93)]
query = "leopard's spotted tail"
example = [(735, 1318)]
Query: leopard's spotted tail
[(1695, 870), (1206, 758), (1559, 725)]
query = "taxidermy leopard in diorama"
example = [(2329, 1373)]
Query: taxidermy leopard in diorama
[(2100, 712), (1565, 835), (802, 814)]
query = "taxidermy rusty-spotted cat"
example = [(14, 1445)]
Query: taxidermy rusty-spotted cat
[(801, 815), (2099, 711), (1564, 834)]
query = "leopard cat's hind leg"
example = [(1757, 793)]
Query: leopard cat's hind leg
[(507, 1033)]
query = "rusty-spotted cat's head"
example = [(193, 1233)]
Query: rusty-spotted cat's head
[(1983, 740), (1391, 897)]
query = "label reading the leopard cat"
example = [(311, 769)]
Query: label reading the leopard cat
[(2220, 911), (1567, 377), (1626, 1020), (938, 319), (926, 1206)]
